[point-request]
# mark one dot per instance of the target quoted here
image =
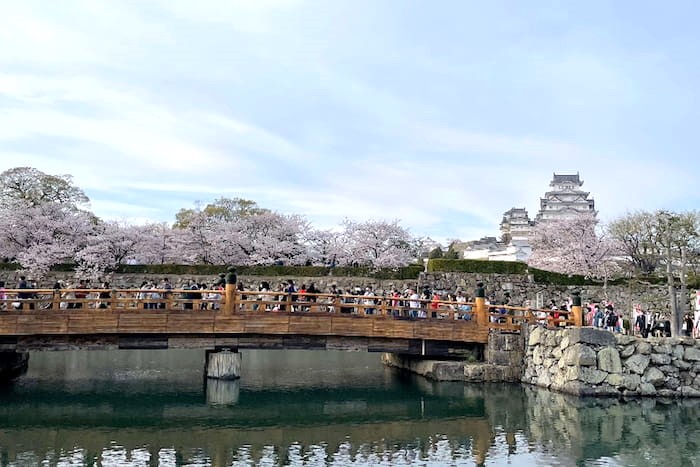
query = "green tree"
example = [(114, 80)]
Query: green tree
[(662, 240), (222, 209), (435, 253), (451, 253), (635, 233)]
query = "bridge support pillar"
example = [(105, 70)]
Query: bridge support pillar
[(222, 392), (13, 364), (223, 364)]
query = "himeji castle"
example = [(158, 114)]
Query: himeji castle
[(565, 199)]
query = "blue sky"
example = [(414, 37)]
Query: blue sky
[(440, 114)]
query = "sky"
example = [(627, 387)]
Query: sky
[(442, 115)]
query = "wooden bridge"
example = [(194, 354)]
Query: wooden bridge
[(47, 319)]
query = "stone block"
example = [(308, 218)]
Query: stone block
[(643, 348), (605, 390), (692, 354), (535, 336), (543, 380), (670, 393), (619, 381), (654, 376), (647, 389), (627, 351), (591, 375), (592, 336), (660, 359), (678, 352), (669, 370), (576, 388), (580, 355), (637, 363), (662, 349), (625, 340), (609, 360), (688, 391), (672, 383)]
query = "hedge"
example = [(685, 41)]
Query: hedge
[(410, 272), (506, 267), (476, 265)]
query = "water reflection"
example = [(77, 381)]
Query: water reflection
[(316, 408)]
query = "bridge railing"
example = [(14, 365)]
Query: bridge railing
[(478, 313)]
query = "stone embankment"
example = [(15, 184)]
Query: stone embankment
[(588, 361), (577, 361)]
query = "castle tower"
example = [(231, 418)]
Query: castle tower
[(515, 224), (565, 199)]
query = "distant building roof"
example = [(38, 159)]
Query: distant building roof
[(560, 178)]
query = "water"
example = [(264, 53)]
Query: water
[(302, 408)]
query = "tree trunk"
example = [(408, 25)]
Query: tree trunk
[(683, 299), (675, 328)]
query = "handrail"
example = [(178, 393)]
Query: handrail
[(503, 317)]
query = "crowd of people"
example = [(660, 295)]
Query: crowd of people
[(407, 303)]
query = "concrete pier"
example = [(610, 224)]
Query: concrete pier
[(223, 364), (223, 392)]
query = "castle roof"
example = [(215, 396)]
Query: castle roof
[(561, 178)]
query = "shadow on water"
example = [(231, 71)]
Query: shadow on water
[(316, 408)]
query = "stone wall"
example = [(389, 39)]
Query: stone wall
[(589, 361)]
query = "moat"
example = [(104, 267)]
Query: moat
[(152, 407)]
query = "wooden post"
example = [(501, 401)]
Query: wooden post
[(56, 300), (230, 298), (230, 291), (482, 311), (576, 310)]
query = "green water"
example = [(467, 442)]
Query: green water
[(318, 409)]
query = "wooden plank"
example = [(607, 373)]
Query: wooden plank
[(304, 342), (8, 324), (468, 332), (93, 323), (67, 342), (42, 323), (225, 341), (261, 342), (392, 328), (143, 322), (351, 326), (389, 345), (317, 325), (351, 344), (269, 323), (191, 342), (434, 329), (229, 324), (200, 322)]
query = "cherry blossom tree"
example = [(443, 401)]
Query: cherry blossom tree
[(109, 245), (376, 243), (161, 244), (29, 187), (41, 236), (322, 246), (271, 238), (575, 246)]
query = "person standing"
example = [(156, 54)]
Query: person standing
[(696, 323)]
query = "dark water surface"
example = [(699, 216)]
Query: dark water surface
[(319, 409)]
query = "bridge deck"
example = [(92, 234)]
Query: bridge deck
[(211, 322), (41, 318)]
